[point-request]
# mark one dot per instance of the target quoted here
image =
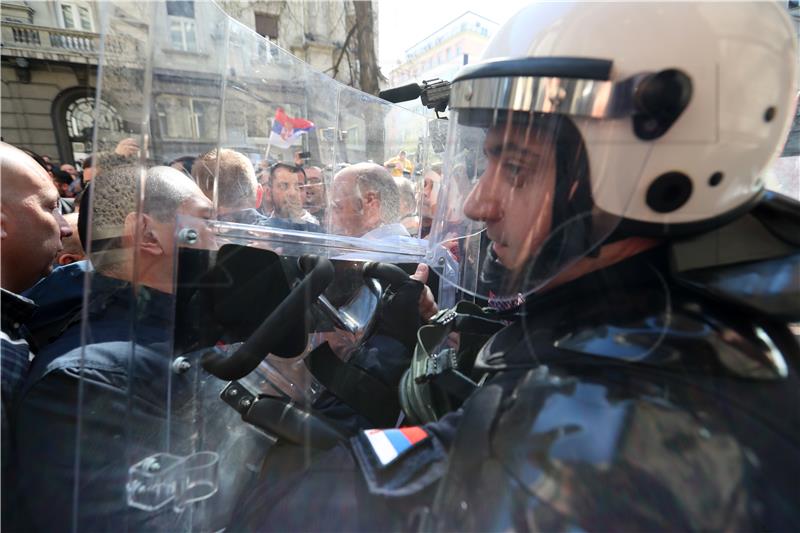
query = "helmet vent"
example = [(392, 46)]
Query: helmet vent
[(659, 100), (769, 114), (669, 192), (715, 179)]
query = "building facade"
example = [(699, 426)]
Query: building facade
[(50, 53), (446, 50)]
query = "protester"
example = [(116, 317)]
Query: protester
[(72, 250), (232, 176), (286, 192), (316, 200), (32, 230), (184, 164), (62, 181), (430, 193), (365, 202), (408, 205), (127, 247), (69, 169), (88, 169)]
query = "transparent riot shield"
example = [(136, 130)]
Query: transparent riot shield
[(208, 241)]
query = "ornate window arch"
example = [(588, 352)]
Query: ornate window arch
[(73, 115)]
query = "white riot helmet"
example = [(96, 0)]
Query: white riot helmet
[(587, 120)]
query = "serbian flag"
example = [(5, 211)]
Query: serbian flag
[(389, 444), (286, 131)]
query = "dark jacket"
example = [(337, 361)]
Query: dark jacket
[(15, 352), (619, 400)]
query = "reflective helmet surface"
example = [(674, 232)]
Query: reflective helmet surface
[(584, 121)]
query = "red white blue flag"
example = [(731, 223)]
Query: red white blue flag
[(286, 131), (389, 444)]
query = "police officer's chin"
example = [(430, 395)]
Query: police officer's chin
[(502, 252), (493, 273)]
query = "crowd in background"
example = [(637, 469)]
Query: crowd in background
[(291, 195), (45, 208)]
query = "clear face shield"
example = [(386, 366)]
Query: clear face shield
[(193, 269), (516, 208)]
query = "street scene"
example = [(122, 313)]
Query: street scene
[(361, 265)]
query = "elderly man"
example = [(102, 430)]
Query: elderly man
[(366, 203), (129, 319), (408, 205), (32, 229)]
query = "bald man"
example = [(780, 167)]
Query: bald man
[(31, 229), (30, 221), (366, 203)]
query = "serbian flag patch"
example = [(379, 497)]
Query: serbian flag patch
[(389, 444)]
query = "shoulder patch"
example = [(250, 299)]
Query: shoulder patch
[(389, 444)]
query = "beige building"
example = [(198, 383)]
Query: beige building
[(442, 53), (50, 51)]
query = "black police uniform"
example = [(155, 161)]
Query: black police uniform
[(652, 394)]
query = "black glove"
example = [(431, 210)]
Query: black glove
[(399, 312)]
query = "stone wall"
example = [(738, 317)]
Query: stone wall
[(27, 107)]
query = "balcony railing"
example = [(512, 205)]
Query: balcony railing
[(23, 38), (41, 38)]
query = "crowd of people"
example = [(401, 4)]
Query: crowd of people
[(360, 200), (624, 360)]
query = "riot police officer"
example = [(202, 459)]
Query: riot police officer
[(603, 191)]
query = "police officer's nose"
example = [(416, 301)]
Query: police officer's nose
[(484, 201)]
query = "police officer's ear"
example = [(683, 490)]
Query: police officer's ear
[(149, 236)]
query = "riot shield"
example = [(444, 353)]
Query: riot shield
[(193, 266)]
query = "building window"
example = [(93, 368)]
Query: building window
[(267, 26), (74, 113), (182, 30), (187, 118), (180, 8), (76, 17)]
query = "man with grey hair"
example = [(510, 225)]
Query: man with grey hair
[(128, 317), (408, 205), (116, 226), (366, 203)]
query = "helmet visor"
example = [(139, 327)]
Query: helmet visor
[(516, 210)]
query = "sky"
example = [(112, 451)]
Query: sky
[(403, 23)]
